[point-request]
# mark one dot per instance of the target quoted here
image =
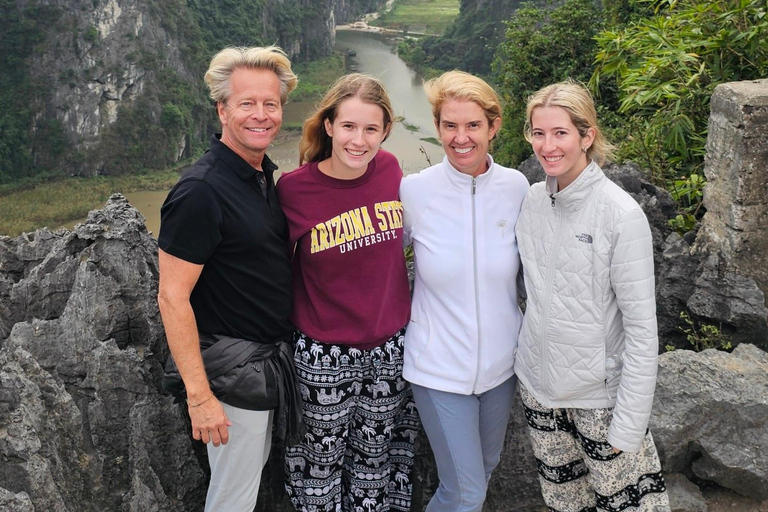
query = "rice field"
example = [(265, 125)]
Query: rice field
[(419, 16)]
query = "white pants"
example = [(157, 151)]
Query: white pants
[(236, 466)]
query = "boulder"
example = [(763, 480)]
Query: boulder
[(710, 417), (684, 496)]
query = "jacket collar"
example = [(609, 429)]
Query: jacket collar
[(235, 162), (575, 196), (462, 181)]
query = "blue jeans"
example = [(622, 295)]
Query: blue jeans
[(466, 433)]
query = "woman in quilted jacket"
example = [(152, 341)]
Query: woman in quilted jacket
[(587, 353)]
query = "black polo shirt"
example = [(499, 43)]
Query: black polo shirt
[(218, 216)]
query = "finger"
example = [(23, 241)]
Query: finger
[(215, 437), (204, 436), (195, 434), (224, 432)]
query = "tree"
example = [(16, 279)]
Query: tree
[(543, 45)]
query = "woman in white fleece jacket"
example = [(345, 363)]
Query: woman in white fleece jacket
[(460, 343), (588, 349)]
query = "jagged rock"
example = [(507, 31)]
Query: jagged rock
[(515, 483), (684, 496), (83, 420), (710, 415), (15, 502)]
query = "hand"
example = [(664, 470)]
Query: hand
[(616, 450), (209, 422)]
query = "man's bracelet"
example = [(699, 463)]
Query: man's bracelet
[(201, 403)]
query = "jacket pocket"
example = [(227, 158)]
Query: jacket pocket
[(613, 367)]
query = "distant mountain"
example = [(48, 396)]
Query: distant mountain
[(109, 86)]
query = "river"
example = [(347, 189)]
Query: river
[(373, 56)]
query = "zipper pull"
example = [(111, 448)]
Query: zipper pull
[(473, 185), (552, 198)]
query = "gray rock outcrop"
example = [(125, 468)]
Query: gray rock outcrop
[(733, 239), (710, 417), (82, 421)]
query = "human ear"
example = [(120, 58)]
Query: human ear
[(328, 127), (221, 111), (588, 138), (495, 125)]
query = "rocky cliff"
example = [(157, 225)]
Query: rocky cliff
[(111, 86), (84, 425)]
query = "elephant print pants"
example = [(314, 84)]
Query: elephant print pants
[(361, 423), (578, 470)]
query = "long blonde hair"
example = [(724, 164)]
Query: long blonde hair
[(576, 100), (315, 143)]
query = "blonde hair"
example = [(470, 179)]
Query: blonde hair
[(315, 143), (576, 100), (461, 86), (224, 63)]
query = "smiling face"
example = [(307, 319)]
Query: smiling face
[(252, 114), (356, 134), (465, 134), (558, 145)]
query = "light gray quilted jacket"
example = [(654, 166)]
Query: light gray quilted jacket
[(589, 337)]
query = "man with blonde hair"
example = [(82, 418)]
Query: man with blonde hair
[(224, 266)]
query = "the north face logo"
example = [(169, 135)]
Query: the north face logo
[(585, 238)]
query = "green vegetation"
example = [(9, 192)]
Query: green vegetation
[(315, 77), (666, 67), (22, 148), (419, 16), (468, 43), (53, 203), (533, 55), (652, 65), (702, 336)]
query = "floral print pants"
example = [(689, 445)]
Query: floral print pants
[(578, 469)]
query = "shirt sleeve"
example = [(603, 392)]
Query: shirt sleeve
[(190, 222), (633, 282)]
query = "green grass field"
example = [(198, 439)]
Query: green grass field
[(56, 202), (428, 16)]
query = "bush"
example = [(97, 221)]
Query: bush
[(666, 67)]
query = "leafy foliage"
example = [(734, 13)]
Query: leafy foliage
[(21, 147), (468, 44), (666, 67), (703, 336), (544, 44)]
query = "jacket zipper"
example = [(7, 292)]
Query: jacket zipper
[(548, 293), (477, 293)]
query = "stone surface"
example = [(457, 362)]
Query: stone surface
[(684, 496), (734, 231), (710, 417), (82, 419)]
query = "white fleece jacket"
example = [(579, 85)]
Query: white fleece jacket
[(464, 319)]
